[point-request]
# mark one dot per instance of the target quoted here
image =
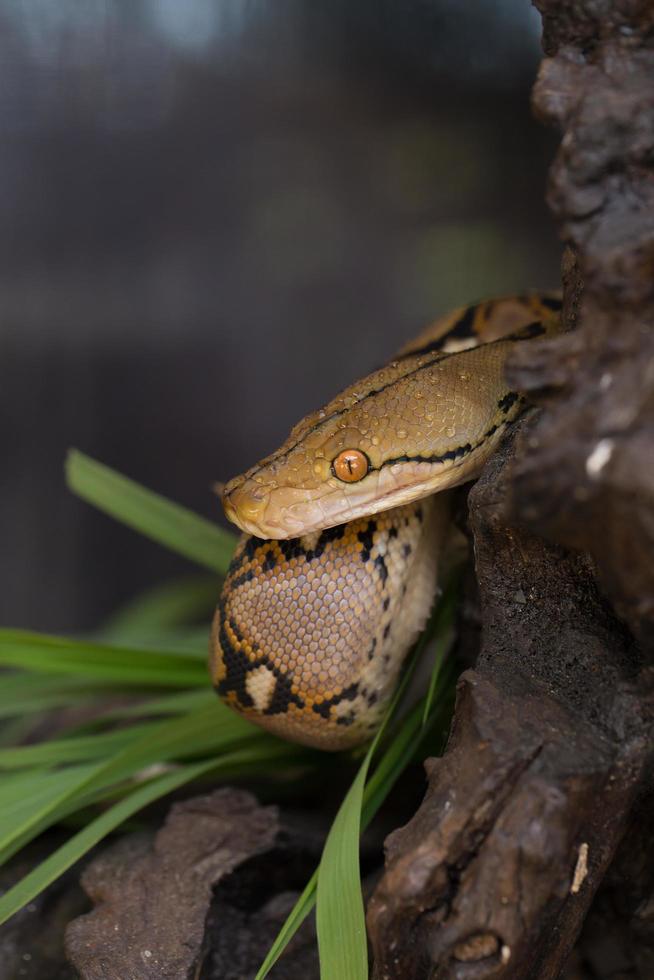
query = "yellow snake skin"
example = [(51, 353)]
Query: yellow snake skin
[(310, 634), (336, 577)]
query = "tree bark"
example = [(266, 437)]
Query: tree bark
[(552, 747)]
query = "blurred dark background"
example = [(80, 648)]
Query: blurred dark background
[(213, 215)]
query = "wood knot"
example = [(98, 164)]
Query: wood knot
[(478, 947)]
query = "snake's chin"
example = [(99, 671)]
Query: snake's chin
[(287, 526), (308, 516)]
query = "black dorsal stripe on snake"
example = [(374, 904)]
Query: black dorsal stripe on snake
[(337, 571)]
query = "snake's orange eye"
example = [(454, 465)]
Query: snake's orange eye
[(351, 465)]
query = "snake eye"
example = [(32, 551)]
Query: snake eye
[(351, 465)]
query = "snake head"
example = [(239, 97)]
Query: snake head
[(425, 422), (419, 425), (297, 490)]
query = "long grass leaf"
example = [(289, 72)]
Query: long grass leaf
[(75, 848), (443, 633), (63, 751), (191, 643), (26, 802), (113, 665), (206, 731), (15, 785), (163, 609), (149, 513), (17, 684), (180, 703), (340, 916), (386, 774), (400, 751), (24, 707), (23, 693), (307, 900), (294, 920)]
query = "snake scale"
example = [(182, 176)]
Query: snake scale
[(337, 570)]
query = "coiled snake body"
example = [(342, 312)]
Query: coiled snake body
[(337, 571)]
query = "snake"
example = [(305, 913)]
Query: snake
[(344, 527)]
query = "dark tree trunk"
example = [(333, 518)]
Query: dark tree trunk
[(542, 795)]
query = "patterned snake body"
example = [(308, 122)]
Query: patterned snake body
[(337, 571)]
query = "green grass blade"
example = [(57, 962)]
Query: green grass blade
[(24, 693), (443, 633), (163, 609), (439, 656), (180, 703), (150, 514), (212, 730), (45, 702), (401, 750), (192, 643), (25, 803), (257, 757), (294, 920), (392, 764), (12, 786), (75, 848), (174, 704), (207, 730), (390, 767), (14, 731), (340, 916), (16, 786), (63, 751), (307, 900), (117, 666), (60, 860), (17, 684)]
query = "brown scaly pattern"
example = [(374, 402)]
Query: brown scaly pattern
[(310, 634)]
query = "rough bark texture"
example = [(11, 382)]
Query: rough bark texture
[(552, 750), (617, 940), (204, 897), (152, 896), (586, 475)]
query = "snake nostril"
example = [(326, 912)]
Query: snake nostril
[(249, 505), (243, 503)]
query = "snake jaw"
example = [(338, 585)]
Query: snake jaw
[(256, 511), (281, 513)]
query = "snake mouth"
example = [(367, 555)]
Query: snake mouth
[(265, 516), (254, 510)]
